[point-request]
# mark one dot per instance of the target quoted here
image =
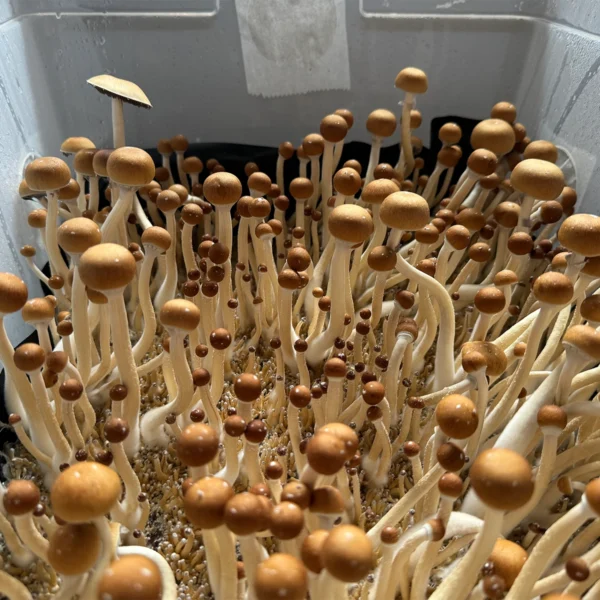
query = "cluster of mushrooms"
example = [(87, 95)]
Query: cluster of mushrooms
[(388, 390)]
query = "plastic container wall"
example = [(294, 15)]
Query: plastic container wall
[(186, 55)]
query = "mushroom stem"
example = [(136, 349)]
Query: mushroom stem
[(13, 588), (118, 123), (116, 218), (145, 340), (51, 230), (406, 162), (373, 159), (169, 285), (31, 537), (19, 555)]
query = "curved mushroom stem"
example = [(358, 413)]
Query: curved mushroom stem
[(81, 328), (373, 159), (54, 256), (168, 287), (31, 537), (406, 162), (326, 185), (104, 559), (430, 189), (231, 471), (13, 588), (127, 510), (19, 554), (117, 216)]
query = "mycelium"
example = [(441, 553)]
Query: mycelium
[(393, 394)]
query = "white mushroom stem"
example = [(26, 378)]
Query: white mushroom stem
[(462, 189), (145, 340), (128, 507), (406, 161), (143, 221), (71, 426), (118, 215), (166, 164), (81, 328), (315, 177), (432, 183), (13, 588), (373, 158), (251, 464), (31, 537), (104, 559), (180, 172), (102, 369), (168, 287), (445, 185), (293, 419), (56, 260), (41, 458), (19, 554), (253, 553), (228, 572), (391, 376), (286, 330), (376, 239), (118, 123), (94, 192), (230, 472), (326, 184)]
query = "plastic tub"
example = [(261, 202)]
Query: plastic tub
[(543, 55)]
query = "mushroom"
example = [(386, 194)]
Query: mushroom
[(180, 144), (281, 576), (196, 447), (381, 124), (119, 90)]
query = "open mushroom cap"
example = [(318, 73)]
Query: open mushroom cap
[(131, 577), (502, 479), (65, 548), (538, 178), (130, 166), (281, 576), (204, 502), (120, 88), (581, 233), (47, 174), (508, 559), (348, 553), (84, 492), (405, 211), (197, 445), (76, 235), (412, 80), (107, 267), (350, 223)]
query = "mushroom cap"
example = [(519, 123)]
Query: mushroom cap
[(192, 164), (542, 150), (179, 143), (376, 191), (458, 237), (584, 338), (450, 133), (520, 243), (405, 211), (20, 497), (197, 445), (220, 338), (296, 492), (553, 288), (247, 387), (131, 577), (76, 235), (493, 134), (346, 114), (450, 457), (84, 492), (551, 211), (29, 357), (428, 235), (37, 218), (412, 80), (38, 310), (69, 192), (100, 161), (47, 174), (507, 214), (334, 128), (335, 368), (490, 300), (180, 314), (84, 161), (116, 430), (281, 576), (298, 258), (592, 495), (234, 426), (381, 123), (450, 484), (590, 308), (470, 218), (204, 502), (581, 233), (480, 252), (168, 200), (344, 433), (107, 267), (222, 189), (348, 553), (130, 166), (287, 520), (382, 258), (502, 479), (313, 144), (538, 178), (73, 145), (347, 181), (120, 88), (192, 214), (158, 237), (493, 356), (456, 416), (286, 149), (326, 453), (64, 550), (247, 513), (301, 188), (449, 156), (552, 416), (350, 223), (505, 111), (482, 162), (311, 550), (13, 293), (260, 182), (508, 559)]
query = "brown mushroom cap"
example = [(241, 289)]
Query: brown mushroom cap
[(412, 80), (450, 457), (538, 178), (131, 577), (13, 293), (552, 416), (542, 150), (450, 484), (311, 551), (456, 416), (502, 479), (301, 188), (313, 144), (480, 252), (505, 111), (326, 500), (107, 267), (129, 166), (507, 214), (494, 357), (21, 497), (204, 502), (405, 211), (493, 134), (168, 200), (197, 445), (76, 235), (179, 143), (100, 161), (458, 237), (376, 191), (348, 553), (247, 513), (120, 88), (29, 357), (553, 288), (222, 189), (158, 237), (449, 156), (334, 128), (326, 453), (65, 548), (350, 223), (47, 174), (286, 521), (581, 233), (490, 300), (483, 162), (180, 314), (382, 258), (344, 433), (590, 308), (508, 559), (247, 387), (259, 182), (381, 123), (346, 181), (74, 144), (37, 218), (584, 338), (84, 492), (296, 492), (281, 576), (450, 133)]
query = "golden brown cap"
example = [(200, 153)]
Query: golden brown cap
[(158, 237), (348, 553), (507, 214), (192, 164), (13, 293), (100, 161), (131, 577), (449, 156), (326, 500), (506, 277), (65, 548), (538, 178), (287, 520), (76, 235), (505, 111), (29, 357), (222, 189), (334, 128), (376, 191), (381, 123), (590, 308), (343, 433), (470, 218), (458, 237), (508, 559), (311, 551), (281, 576), (493, 356), (247, 513), (350, 223), (38, 310), (482, 162), (180, 314), (592, 495), (21, 497), (179, 143), (326, 453), (37, 218), (450, 457), (296, 492), (480, 252), (412, 80), (450, 484), (260, 182), (84, 492), (247, 387), (313, 144), (405, 211), (346, 181), (107, 267), (584, 338), (382, 258), (553, 288), (197, 445), (502, 479), (552, 416), (301, 188), (456, 416), (490, 300), (493, 134), (286, 149), (346, 114), (543, 150), (84, 161), (47, 174), (74, 144), (450, 133), (130, 166), (204, 502), (581, 233)]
